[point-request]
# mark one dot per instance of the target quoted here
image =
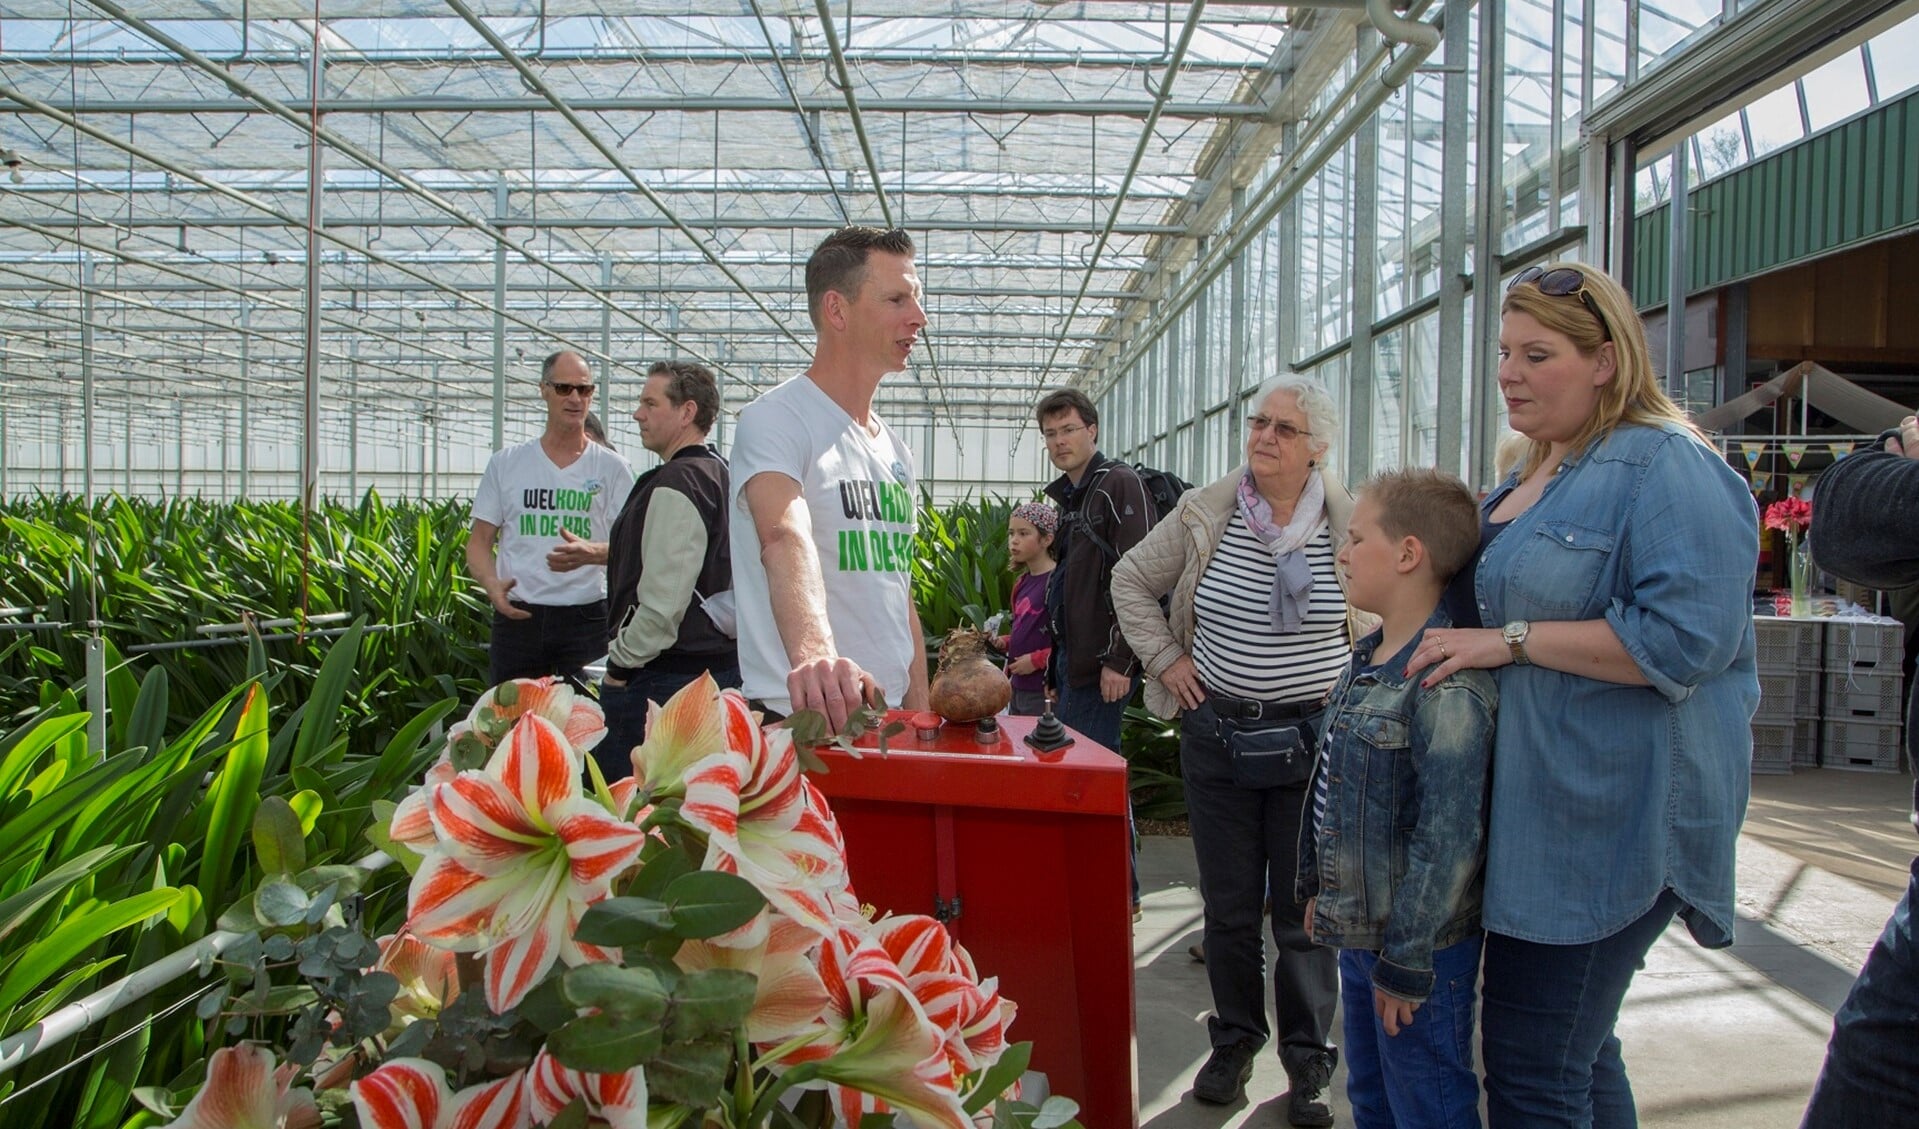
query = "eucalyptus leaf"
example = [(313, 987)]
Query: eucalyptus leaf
[(280, 903), (690, 1073), (711, 1002), (635, 993), (623, 921), (1000, 1077), (610, 1044), (1056, 1113), (707, 903)]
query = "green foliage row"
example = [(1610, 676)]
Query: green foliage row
[(160, 569), (108, 863)]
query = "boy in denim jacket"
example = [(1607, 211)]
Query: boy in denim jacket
[(1392, 858)]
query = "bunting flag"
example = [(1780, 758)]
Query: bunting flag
[(1759, 481), (1796, 484), (1752, 452), (1841, 450), (1794, 452)]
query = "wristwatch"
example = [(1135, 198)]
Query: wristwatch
[(1515, 635)]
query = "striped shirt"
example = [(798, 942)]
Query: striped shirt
[(1234, 645)]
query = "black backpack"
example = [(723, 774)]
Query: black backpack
[(1163, 491)]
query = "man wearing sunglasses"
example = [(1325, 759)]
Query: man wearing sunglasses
[(532, 495)]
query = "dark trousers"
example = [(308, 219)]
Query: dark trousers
[(1871, 1076), (1246, 841), (1027, 703), (1547, 1016), (555, 640), (625, 710)]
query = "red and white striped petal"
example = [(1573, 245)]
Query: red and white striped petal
[(239, 1092), (523, 959), (412, 823), (598, 846), (790, 995), (538, 765), (500, 1104), (619, 1100), (898, 1058), (429, 976), (687, 728), (405, 1093)]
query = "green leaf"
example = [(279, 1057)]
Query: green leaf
[(22, 832), (234, 794), (617, 922), (277, 838), (74, 936), (545, 1007), (711, 1002), (1056, 1113), (635, 993), (999, 1078), (321, 719), (20, 906), (608, 1044), (39, 735), (707, 903), (146, 728), (572, 1116), (691, 1073), (659, 867), (279, 903)]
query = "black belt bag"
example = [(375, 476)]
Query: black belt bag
[(1270, 746)]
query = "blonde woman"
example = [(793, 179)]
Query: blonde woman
[(1615, 580)]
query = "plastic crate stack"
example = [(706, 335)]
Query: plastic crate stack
[(1785, 730), (1864, 696)]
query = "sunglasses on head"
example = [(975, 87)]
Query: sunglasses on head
[(1562, 282), (560, 389)]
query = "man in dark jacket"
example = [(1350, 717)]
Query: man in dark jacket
[(666, 559), (1104, 512), (1865, 528)]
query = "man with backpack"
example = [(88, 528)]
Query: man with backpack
[(1104, 510)]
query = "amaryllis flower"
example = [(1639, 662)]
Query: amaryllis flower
[(520, 854), (411, 1093), (500, 709), (244, 1091), (696, 722), (875, 1048), (411, 825), (1789, 515), (766, 822), (971, 1015), (429, 977), (790, 994), (619, 1100)]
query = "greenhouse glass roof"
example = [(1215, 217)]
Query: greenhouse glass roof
[(633, 181)]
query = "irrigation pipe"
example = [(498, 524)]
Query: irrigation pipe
[(235, 640), (84, 1013)]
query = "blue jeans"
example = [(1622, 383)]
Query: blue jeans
[(1547, 1027), (1422, 1077), (625, 709), (1871, 1076)]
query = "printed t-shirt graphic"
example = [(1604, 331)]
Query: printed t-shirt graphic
[(858, 486), (531, 500)]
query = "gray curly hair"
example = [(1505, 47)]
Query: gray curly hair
[(1322, 415)]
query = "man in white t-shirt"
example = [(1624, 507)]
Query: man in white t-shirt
[(547, 622), (824, 510)]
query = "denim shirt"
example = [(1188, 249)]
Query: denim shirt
[(1397, 861), (1604, 795)]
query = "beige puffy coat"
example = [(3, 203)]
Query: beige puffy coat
[(1172, 558)]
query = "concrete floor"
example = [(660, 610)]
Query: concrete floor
[(1730, 1039)]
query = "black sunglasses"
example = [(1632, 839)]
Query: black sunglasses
[(560, 389), (1563, 282)]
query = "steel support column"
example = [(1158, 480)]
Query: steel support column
[(86, 379), (316, 219), (1362, 395), (499, 319), (1678, 277), (1488, 207), (1454, 378), (246, 399), (1238, 343)]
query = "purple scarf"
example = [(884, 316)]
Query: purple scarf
[(1293, 576)]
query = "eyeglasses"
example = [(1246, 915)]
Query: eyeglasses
[(1278, 427), (1563, 282), (560, 389), (1053, 433)]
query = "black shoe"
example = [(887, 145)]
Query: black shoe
[(1222, 1081), (1305, 1106)]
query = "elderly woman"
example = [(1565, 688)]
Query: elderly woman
[(1256, 632), (1615, 583)]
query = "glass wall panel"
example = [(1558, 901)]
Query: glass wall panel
[(1895, 59), (1836, 91), (1389, 390), (1775, 120)]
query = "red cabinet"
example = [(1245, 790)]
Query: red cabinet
[(1025, 857)]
